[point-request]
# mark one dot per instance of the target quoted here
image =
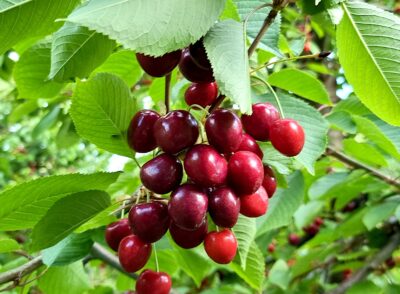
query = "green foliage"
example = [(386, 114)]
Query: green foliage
[(245, 232), (8, 245)]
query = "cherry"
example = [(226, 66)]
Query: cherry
[(311, 230), (224, 207), (223, 128), (318, 221), (140, 131), (390, 263), (255, 204), (116, 231), (162, 174), (188, 239), (287, 136), (258, 124), (133, 253), (188, 207), (245, 172), (269, 181), (221, 246), (294, 239), (149, 221), (199, 54), (271, 248), (205, 166), (248, 143), (151, 282), (176, 131), (159, 66), (192, 71), (203, 94), (346, 274)]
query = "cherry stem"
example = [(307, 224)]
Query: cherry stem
[(167, 91), (217, 228), (199, 107), (156, 257), (136, 161), (273, 93), (123, 210)]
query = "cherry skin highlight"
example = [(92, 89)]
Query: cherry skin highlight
[(203, 94), (188, 239), (151, 282), (224, 207), (192, 71), (159, 66), (140, 131), (248, 143), (133, 253), (287, 136), (254, 205), (116, 231), (162, 174), (205, 166), (269, 181), (221, 246)]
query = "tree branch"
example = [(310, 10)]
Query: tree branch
[(377, 260)]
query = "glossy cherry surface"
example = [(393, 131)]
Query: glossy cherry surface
[(269, 181), (116, 231), (224, 130), (221, 246), (255, 204), (140, 131), (188, 239), (162, 174), (176, 131), (203, 94), (159, 66), (248, 143), (133, 253), (258, 124), (149, 221), (224, 207), (205, 166), (192, 71), (188, 206), (294, 239), (245, 172), (199, 54), (287, 136), (151, 282)]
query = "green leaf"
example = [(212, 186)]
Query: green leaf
[(307, 213), (280, 274), (300, 83), (102, 219), (69, 279), (283, 205), (21, 19), (376, 214), (322, 186), (48, 121), (364, 152), (137, 25), (273, 157), (8, 245), (224, 43), (365, 287), (166, 261), (76, 52), (68, 250), (22, 110), (23, 205), (101, 110), (367, 38), (230, 11), (342, 120), (245, 232), (66, 215), (31, 71), (254, 271)]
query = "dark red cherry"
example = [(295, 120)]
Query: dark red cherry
[(221, 246), (188, 239), (319, 221), (151, 282), (224, 207), (269, 181), (245, 172), (294, 239), (224, 130), (116, 231), (203, 94), (255, 204), (140, 131), (162, 174), (192, 71), (205, 166), (199, 54), (287, 136), (248, 143), (258, 124), (133, 253), (311, 230), (271, 248), (149, 221), (176, 131), (188, 206), (159, 66)]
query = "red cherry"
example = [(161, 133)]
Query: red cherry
[(311, 230), (149, 221), (203, 94), (224, 207), (176, 131), (205, 166), (159, 66), (294, 239), (271, 248), (390, 262), (199, 55), (140, 131), (150, 282), (221, 246), (245, 172), (307, 47), (318, 221), (188, 239), (287, 136), (269, 181), (258, 124), (346, 274), (116, 231), (254, 205), (192, 71), (133, 253), (223, 128), (247, 143)]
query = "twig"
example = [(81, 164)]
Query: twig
[(217, 103), (21, 271), (167, 91)]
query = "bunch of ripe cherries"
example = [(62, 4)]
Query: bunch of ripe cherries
[(225, 173)]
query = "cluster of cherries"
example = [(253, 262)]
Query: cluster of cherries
[(225, 173)]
